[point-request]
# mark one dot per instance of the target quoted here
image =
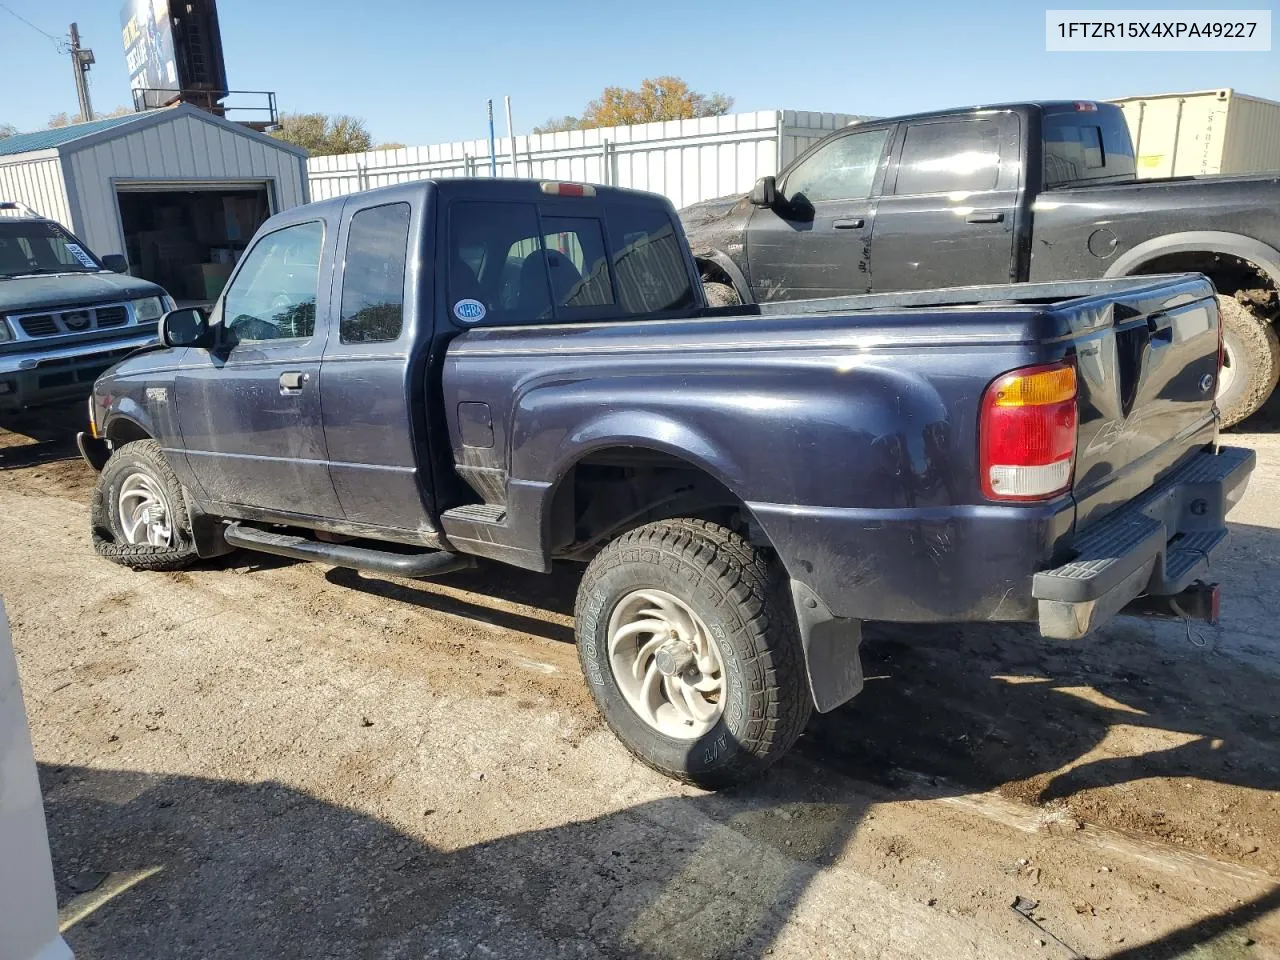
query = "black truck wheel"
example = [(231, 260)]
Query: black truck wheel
[(689, 645), (1251, 365), (138, 516), (720, 294)]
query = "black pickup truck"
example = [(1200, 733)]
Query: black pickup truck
[(403, 380), (1000, 194)]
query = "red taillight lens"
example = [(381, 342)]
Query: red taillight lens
[(560, 188), (1027, 433)]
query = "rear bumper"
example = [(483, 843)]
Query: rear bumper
[(1157, 545), (34, 378)]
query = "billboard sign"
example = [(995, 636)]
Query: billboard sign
[(149, 49)]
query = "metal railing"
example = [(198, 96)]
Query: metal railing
[(266, 115)]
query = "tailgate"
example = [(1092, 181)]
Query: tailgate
[(1147, 373)]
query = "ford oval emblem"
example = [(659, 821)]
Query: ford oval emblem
[(1206, 383)]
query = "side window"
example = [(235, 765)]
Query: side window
[(273, 297), (648, 261), (842, 170), (373, 277), (949, 156), (495, 261)]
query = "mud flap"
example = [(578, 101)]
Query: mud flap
[(830, 643)]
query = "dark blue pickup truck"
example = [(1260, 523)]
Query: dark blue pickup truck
[(403, 380)]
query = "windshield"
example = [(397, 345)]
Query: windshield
[(39, 246)]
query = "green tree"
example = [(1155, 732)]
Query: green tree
[(659, 98), (322, 135)]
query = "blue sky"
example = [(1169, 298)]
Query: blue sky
[(420, 73)]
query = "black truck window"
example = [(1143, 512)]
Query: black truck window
[(273, 296), (648, 261), (1087, 146), (949, 156), (576, 262), (373, 278), (496, 274), (844, 169)]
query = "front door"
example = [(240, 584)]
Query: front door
[(250, 407), (946, 215), (814, 241)]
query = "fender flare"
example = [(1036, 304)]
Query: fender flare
[(131, 413), (736, 276), (1265, 257)]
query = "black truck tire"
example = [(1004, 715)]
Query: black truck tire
[(1252, 364), (141, 459), (735, 597), (720, 294)]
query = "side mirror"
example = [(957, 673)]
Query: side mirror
[(765, 192), (116, 263), (188, 327)]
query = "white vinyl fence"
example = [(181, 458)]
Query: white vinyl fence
[(686, 160)]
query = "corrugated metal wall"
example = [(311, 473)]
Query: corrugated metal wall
[(184, 148), (36, 180), (1253, 136), (1199, 134), (687, 160)]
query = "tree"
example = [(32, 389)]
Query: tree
[(322, 135), (65, 120), (389, 146), (660, 98), (7, 130)]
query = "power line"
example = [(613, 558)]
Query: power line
[(59, 42)]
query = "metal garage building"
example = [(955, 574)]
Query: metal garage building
[(179, 191)]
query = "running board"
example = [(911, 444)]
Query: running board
[(433, 563)]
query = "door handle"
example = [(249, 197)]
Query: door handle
[(291, 381), (853, 223), (984, 218)]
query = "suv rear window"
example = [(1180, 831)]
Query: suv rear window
[(509, 264)]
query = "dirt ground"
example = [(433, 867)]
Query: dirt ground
[(259, 758)]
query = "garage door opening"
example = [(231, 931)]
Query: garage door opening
[(188, 240)]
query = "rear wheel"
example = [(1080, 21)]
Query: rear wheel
[(690, 648), (720, 294), (1251, 361), (139, 517)]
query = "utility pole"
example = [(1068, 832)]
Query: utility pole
[(81, 60)]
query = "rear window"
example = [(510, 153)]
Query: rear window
[(1085, 146), (949, 156), (508, 264)]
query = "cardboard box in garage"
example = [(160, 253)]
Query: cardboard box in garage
[(206, 280)]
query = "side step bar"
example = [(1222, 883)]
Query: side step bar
[(432, 563)]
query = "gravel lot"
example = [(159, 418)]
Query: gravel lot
[(290, 761)]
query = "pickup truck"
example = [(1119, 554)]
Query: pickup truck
[(403, 380), (1001, 194), (65, 314)]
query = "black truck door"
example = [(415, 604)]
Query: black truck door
[(947, 214), (813, 241)]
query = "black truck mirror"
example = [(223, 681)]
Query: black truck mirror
[(187, 327), (116, 263), (765, 192)]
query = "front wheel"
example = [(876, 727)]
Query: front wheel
[(139, 517), (689, 645)]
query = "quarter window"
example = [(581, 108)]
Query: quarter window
[(373, 276), (273, 296), (949, 156), (842, 170)]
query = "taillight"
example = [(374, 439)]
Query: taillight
[(1028, 433), (560, 188)]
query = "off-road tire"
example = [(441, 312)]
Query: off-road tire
[(741, 594), (720, 294), (1254, 349), (141, 456)]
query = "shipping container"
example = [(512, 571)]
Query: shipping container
[(686, 160), (1207, 132)]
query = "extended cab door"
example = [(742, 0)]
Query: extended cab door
[(250, 407), (814, 241), (947, 214), (374, 404)]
